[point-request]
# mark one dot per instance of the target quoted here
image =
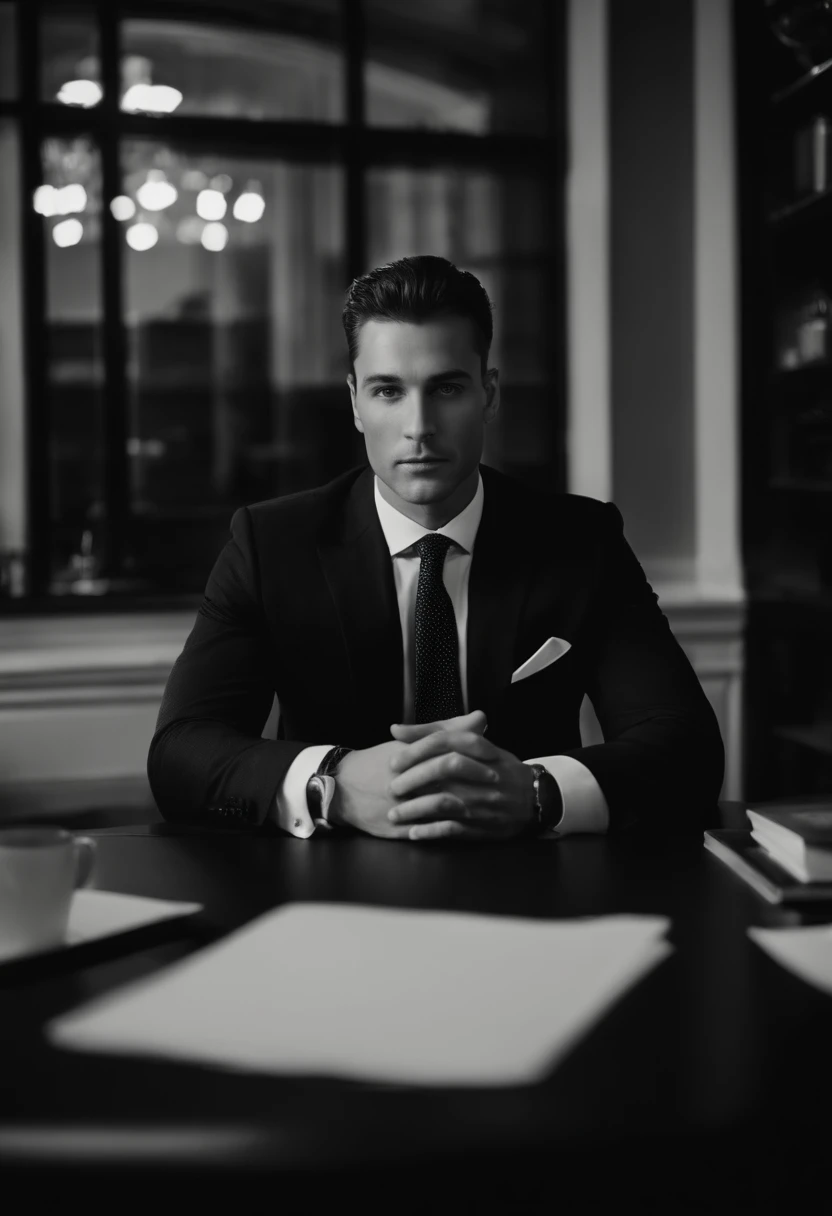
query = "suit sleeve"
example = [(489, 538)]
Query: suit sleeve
[(207, 760), (662, 760)]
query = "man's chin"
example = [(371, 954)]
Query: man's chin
[(425, 487)]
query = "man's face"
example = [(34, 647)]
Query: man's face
[(420, 400)]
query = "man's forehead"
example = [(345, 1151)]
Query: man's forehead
[(399, 341)]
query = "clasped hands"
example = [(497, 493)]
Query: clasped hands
[(436, 780)]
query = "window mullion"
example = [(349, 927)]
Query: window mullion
[(38, 412), (116, 471), (355, 159)]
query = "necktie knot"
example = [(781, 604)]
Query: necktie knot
[(433, 547)]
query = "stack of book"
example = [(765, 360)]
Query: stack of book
[(787, 854), (798, 838)]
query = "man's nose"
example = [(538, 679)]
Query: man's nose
[(419, 423)]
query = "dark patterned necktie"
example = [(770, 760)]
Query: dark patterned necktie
[(438, 688)]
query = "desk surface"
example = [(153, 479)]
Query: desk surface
[(716, 1055)]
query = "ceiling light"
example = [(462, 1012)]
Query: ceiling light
[(44, 200), (122, 207), (70, 198), (249, 207), (211, 205), (141, 236), (84, 93), (68, 232), (214, 237), (157, 192), (151, 99)]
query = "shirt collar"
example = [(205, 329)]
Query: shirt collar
[(400, 532)]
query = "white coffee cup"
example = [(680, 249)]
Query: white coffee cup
[(40, 867)]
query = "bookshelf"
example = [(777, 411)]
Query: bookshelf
[(784, 139)]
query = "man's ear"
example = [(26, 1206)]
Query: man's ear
[(359, 425), (491, 384)]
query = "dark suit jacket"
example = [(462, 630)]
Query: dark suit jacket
[(302, 603)]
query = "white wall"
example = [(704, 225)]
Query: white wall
[(652, 272), (589, 428)]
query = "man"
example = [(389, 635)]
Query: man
[(430, 627)]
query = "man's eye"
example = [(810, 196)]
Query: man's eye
[(449, 390), (384, 390)]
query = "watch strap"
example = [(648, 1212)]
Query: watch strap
[(329, 765)]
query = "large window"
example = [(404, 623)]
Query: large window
[(189, 190)]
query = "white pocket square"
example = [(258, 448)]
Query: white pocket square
[(552, 649)]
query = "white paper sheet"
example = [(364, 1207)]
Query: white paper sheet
[(94, 914), (379, 994), (806, 951), (99, 913)]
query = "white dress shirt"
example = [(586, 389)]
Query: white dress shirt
[(584, 805)]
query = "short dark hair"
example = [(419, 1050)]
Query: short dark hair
[(416, 289)]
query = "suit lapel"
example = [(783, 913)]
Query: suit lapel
[(501, 571), (359, 572)]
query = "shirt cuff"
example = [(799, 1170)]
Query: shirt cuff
[(584, 805), (292, 814)]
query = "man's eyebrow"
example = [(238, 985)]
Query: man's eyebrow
[(379, 379), (455, 373)]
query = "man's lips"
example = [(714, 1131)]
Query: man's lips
[(423, 460)]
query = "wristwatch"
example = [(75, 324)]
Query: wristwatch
[(320, 788), (548, 801)]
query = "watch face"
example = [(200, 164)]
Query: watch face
[(314, 795), (319, 794)]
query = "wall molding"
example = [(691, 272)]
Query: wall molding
[(716, 309), (589, 432)]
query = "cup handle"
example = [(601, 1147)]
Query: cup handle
[(84, 860)]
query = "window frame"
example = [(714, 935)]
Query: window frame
[(351, 144)]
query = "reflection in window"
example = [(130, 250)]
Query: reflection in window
[(69, 199), (494, 226), (236, 362), (296, 73), (477, 66)]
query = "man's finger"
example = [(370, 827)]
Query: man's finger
[(467, 743), (447, 829), (439, 770), (427, 808), (460, 803), (409, 733)]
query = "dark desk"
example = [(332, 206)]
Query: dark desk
[(708, 1084)]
